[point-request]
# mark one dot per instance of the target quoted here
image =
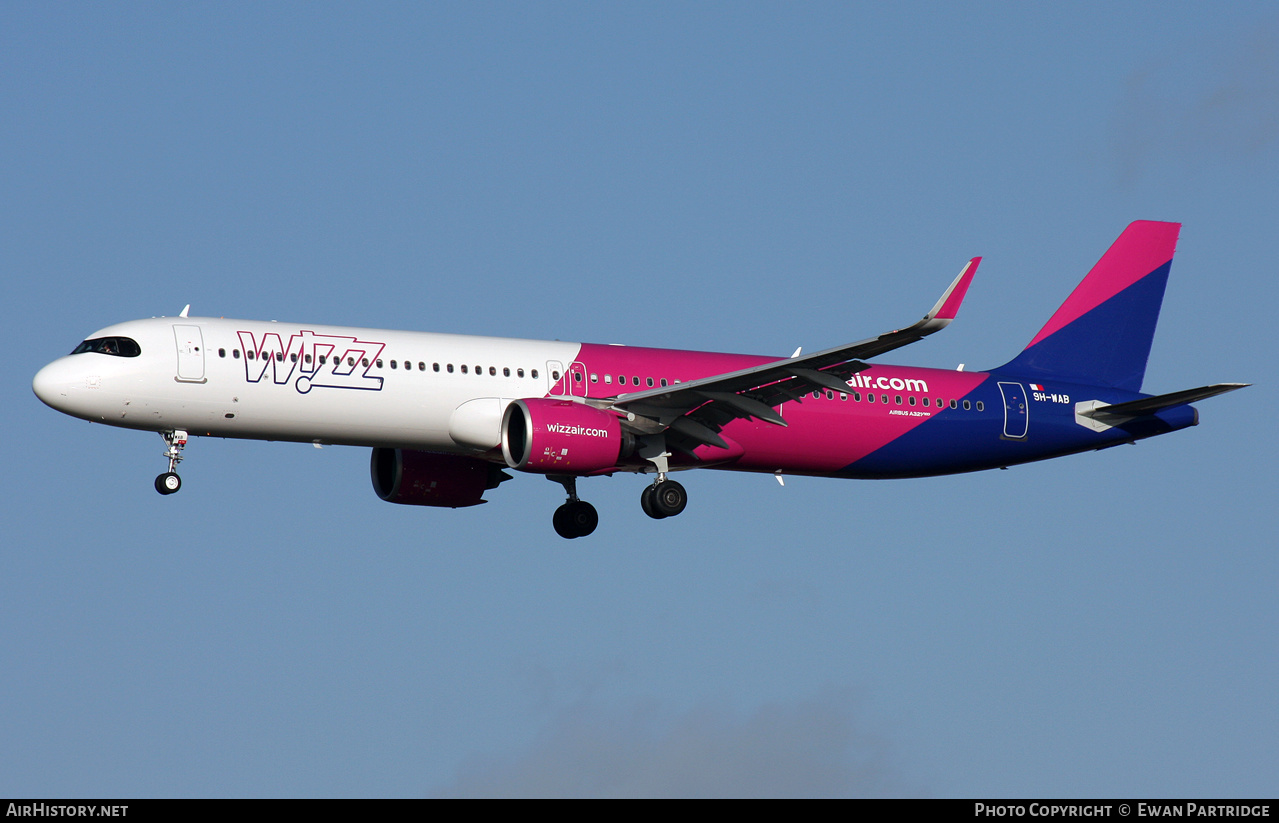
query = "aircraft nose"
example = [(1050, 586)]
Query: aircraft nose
[(52, 384)]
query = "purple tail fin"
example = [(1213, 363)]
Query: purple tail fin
[(1102, 333)]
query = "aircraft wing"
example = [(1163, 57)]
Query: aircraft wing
[(695, 411)]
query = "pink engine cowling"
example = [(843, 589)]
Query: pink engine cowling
[(559, 436), (417, 478)]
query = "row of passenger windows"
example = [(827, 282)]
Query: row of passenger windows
[(378, 363), (451, 368), (621, 380), (635, 380), (926, 402)]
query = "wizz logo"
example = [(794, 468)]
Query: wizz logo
[(329, 361)]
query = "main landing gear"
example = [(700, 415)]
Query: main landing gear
[(664, 498), (169, 482), (576, 518)]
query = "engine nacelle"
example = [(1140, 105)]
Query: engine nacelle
[(560, 436), (430, 479)]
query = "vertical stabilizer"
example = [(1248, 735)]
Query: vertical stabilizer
[(1102, 333)]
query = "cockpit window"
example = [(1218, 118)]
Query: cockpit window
[(116, 346)]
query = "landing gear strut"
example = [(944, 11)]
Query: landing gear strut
[(665, 498), (576, 518), (169, 482)]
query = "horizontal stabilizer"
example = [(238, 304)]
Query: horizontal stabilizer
[(1150, 405)]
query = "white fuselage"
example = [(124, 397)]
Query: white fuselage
[(265, 380)]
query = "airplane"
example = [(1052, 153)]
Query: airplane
[(446, 415)]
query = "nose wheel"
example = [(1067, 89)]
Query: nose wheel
[(576, 518), (665, 498), (169, 482)]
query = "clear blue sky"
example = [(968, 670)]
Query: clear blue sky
[(738, 176)]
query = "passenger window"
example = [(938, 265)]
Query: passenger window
[(925, 402), (663, 382), (857, 397), (577, 377), (450, 368), (898, 399), (981, 406), (967, 406), (492, 371), (883, 398), (555, 375), (506, 372), (221, 352), (519, 372), (608, 379), (911, 399), (235, 353), (830, 395), (435, 367), (870, 398), (595, 378), (954, 405), (649, 381), (635, 380), (464, 371), (533, 374)]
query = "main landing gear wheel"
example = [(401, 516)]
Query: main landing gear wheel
[(665, 498), (168, 483), (576, 518), (646, 503)]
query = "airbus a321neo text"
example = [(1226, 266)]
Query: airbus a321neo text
[(445, 414)]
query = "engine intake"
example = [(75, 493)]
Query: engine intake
[(559, 436)]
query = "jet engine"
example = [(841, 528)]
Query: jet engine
[(559, 436), (429, 479)]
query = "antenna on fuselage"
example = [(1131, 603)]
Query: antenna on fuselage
[(185, 309)]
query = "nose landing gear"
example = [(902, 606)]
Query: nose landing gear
[(169, 482)]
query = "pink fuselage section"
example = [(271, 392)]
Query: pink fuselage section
[(826, 433)]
